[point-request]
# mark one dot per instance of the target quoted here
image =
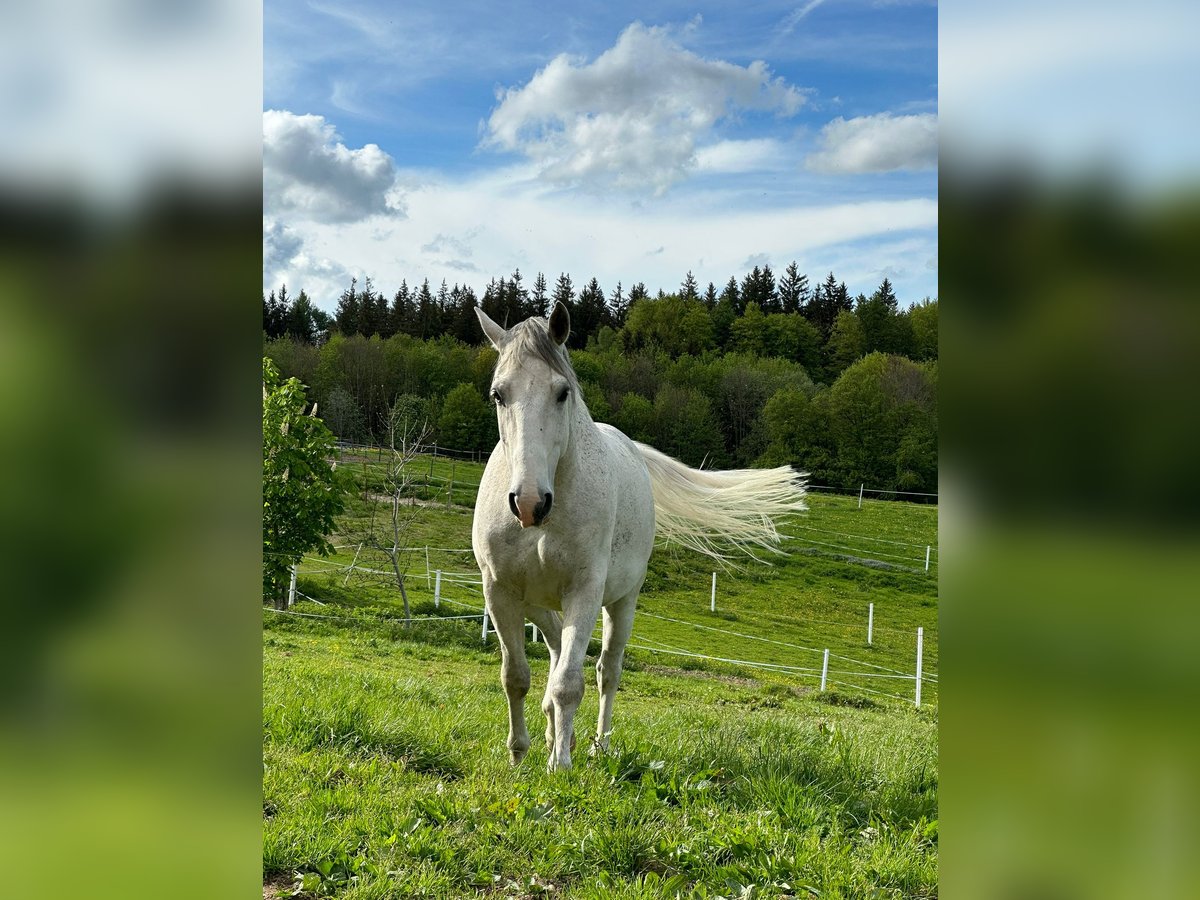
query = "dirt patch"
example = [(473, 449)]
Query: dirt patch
[(278, 886), (674, 672)]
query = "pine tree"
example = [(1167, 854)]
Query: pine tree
[(518, 298), (793, 289), (726, 312), (564, 293), (751, 290), (768, 297), (349, 309), (688, 290), (301, 323), (618, 305), (427, 313), (827, 300), (710, 297), (538, 305), (367, 324), (402, 315), (274, 316), (589, 316)]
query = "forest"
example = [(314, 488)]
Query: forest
[(764, 371)]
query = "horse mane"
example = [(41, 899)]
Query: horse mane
[(532, 338)]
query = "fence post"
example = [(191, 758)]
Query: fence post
[(920, 651), (927, 549), (428, 575), (292, 589), (870, 621), (860, 493), (825, 669), (437, 591), (713, 605), (533, 627), (485, 624)]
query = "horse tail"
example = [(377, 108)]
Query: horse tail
[(715, 512)]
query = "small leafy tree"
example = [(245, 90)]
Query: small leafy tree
[(301, 492)]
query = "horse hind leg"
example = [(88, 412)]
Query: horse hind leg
[(618, 625)]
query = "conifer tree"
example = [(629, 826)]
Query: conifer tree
[(427, 313), (301, 323), (768, 297), (688, 290), (564, 292), (590, 314), (538, 305), (349, 309), (618, 305), (793, 289), (402, 316)]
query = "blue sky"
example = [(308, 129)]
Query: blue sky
[(632, 142)]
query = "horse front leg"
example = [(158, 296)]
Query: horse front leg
[(618, 625), (549, 623), (580, 610), (506, 611)]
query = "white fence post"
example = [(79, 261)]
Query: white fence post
[(713, 605), (920, 650), (870, 620), (860, 493), (825, 669), (437, 591), (428, 575), (533, 628), (927, 549), (485, 625), (292, 589)]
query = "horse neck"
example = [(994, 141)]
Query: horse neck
[(584, 433)]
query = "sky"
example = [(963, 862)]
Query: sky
[(634, 142)]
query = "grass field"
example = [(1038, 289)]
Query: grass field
[(386, 773)]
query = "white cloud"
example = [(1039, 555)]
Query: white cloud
[(795, 17), (308, 173), (633, 117), (741, 156), (526, 227), (878, 143)]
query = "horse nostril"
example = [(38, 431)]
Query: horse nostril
[(543, 508), (512, 504)]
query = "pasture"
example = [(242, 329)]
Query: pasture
[(385, 772)]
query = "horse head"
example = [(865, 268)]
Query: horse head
[(534, 389)]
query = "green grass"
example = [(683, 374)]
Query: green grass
[(386, 773)]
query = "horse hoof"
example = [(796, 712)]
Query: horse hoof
[(515, 756)]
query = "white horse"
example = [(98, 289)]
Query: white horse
[(565, 522)]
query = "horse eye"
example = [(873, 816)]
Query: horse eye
[(562, 398), (496, 396)]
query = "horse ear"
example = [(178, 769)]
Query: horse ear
[(494, 332), (560, 323)]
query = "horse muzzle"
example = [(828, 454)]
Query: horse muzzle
[(528, 512)]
